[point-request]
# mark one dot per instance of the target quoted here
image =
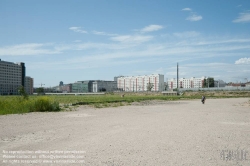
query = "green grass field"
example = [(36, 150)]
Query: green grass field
[(19, 105)]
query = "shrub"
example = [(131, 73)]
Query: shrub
[(43, 104)]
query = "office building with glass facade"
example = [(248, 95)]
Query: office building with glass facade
[(80, 87)]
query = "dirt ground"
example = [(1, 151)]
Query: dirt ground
[(158, 133)]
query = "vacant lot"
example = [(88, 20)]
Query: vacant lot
[(149, 133)]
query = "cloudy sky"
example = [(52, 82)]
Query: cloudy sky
[(75, 40)]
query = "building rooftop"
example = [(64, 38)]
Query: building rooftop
[(16, 63)]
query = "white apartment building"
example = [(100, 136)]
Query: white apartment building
[(140, 83), (186, 83), (12, 76)]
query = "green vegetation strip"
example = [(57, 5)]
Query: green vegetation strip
[(20, 104)]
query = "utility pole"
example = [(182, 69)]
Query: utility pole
[(177, 78), (208, 82), (166, 84), (133, 86)]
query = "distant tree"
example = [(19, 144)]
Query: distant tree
[(40, 91), (23, 93), (209, 82), (150, 86), (166, 87)]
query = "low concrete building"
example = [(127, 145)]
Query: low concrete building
[(80, 87), (94, 86), (66, 88), (235, 85), (247, 84), (104, 86), (219, 83)]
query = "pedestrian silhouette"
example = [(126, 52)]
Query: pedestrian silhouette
[(203, 98)]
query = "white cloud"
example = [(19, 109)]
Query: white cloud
[(101, 55), (153, 53), (187, 34), (92, 46), (132, 38), (121, 38), (28, 49), (98, 33), (187, 9), (77, 41), (224, 71), (221, 41), (243, 17), (127, 43), (194, 17), (79, 46), (78, 29), (242, 61), (151, 28), (103, 33)]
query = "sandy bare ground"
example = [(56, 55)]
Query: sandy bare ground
[(163, 133)]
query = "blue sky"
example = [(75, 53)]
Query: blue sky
[(61, 40)]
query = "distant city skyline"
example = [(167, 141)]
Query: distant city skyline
[(97, 40)]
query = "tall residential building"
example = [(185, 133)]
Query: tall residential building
[(12, 76), (29, 84), (186, 82), (141, 83)]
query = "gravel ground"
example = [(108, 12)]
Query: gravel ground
[(153, 133)]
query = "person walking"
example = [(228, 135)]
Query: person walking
[(203, 98)]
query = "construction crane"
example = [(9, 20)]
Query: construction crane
[(41, 84)]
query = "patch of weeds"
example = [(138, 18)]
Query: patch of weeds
[(70, 109), (74, 107), (97, 105), (105, 105), (44, 104)]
